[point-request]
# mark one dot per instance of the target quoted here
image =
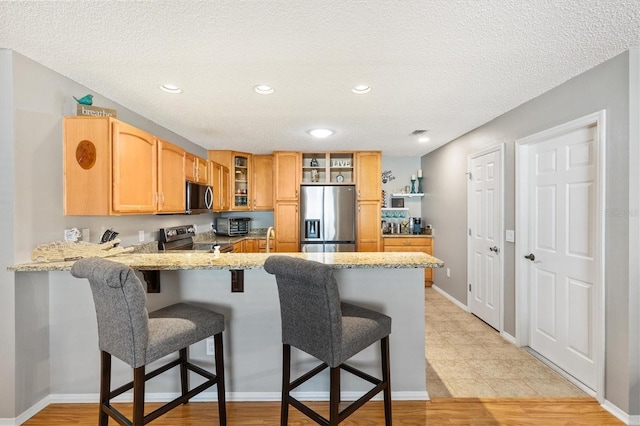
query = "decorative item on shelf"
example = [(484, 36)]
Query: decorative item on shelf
[(339, 178), (315, 176), (413, 184), (397, 202), (314, 163), (420, 181), (85, 100), (384, 198)]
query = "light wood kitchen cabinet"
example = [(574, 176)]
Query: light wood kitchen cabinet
[(112, 168), (287, 166), (369, 175), (219, 178), (412, 244), (171, 182), (135, 172), (250, 246), (368, 226), (190, 167), (262, 183), (202, 171), (196, 169), (240, 169), (262, 246), (286, 223), (369, 200)]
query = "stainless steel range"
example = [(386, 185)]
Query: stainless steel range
[(180, 238)]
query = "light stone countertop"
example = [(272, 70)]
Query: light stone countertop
[(229, 261)]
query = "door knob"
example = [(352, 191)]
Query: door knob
[(494, 248), (531, 257)]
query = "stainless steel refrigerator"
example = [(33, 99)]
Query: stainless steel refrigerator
[(327, 218)]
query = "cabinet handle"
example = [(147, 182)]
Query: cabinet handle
[(156, 197), (163, 198)]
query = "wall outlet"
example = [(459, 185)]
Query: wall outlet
[(141, 236), (209, 341), (195, 228), (448, 273), (72, 235), (86, 234)]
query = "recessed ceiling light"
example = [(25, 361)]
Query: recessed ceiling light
[(263, 89), (171, 88), (321, 133), (361, 89), (423, 139)]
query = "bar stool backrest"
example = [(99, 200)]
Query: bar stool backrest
[(120, 303)]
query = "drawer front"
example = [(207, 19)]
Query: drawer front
[(407, 242), (262, 244), (423, 249)]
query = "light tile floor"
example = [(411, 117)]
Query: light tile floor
[(467, 358)]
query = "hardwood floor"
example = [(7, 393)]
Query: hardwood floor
[(442, 411), (508, 405)]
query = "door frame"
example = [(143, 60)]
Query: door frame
[(522, 241), (500, 148)]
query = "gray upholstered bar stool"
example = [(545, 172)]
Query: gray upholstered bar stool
[(127, 331), (315, 321)]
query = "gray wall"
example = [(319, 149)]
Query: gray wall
[(33, 102), (603, 87), (7, 294)]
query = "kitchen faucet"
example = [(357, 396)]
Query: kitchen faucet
[(270, 231)]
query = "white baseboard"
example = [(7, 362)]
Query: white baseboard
[(32, 411), (233, 397), (86, 398), (624, 417), (452, 299), (509, 338)]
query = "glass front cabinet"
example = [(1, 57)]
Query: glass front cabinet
[(241, 177)]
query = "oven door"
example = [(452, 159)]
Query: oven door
[(199, 198)]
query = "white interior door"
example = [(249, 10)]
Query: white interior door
[(561, 251), (484, 251)]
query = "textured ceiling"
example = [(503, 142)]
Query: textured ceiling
[(443, 65)]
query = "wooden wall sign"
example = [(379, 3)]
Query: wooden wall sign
[(95, 111)]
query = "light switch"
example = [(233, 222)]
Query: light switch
[(510, 236)]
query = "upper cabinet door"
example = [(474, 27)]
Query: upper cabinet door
[(202, 171), (190, 165), (287, 166), (369, 175), (241, 178), (262, 186), (171, 181), (134, 170)]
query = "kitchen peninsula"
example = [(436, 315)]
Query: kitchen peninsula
[(392, 283)]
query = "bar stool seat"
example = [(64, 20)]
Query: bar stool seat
[(127, 331), (316, 321)]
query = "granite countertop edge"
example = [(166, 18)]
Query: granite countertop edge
[(244, 261)]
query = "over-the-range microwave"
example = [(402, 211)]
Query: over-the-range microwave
[(199, 198)]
